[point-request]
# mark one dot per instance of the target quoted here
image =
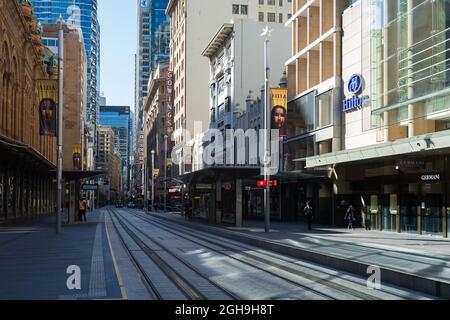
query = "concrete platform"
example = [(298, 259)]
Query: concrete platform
[(420, 263)]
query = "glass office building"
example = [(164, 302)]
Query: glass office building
[(81, 13), (411, 66), (153, 43), (119, 119)]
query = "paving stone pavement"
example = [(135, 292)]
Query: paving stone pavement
[(34, 260)]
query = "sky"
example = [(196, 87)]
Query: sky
[(118, 41)]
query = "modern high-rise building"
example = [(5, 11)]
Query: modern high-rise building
[(81, 13), (118, 118), (152, 48), (153, 44)]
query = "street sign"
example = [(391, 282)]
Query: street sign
[(202, 186), (89, 187), (263, 183)]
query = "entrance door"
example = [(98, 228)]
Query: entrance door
[(408, 207), (374, 212), (431, 208), (389, 212)]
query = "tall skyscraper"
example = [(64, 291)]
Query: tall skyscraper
[(153, 42), (81, 13), (118, 118), (152, 48)]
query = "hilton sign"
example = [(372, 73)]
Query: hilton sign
[(355, 86)]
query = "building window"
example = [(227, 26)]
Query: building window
[(261, 2), (271, 2), (281, 3), (235, 9), (324, 109), (271, 17), (261, 16), (244, 10), (280, 19), (289, 16)]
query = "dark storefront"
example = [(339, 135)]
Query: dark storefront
[(409, 195)]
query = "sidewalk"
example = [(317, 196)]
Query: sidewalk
[(34, 260), (420, 256)]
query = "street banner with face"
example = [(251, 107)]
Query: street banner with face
[(48, 99), (279, 99)]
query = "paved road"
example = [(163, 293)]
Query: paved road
[(125, 254), (220, 268)]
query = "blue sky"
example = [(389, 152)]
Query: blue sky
[(118, 40)]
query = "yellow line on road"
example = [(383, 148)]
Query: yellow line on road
[(116, 267)]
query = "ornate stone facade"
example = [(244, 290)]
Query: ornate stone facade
[(26, 159)]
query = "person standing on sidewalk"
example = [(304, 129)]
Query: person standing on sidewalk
[(350, 216), (309, 214), (82, 210)]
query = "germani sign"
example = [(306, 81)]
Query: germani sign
[(355, 86)]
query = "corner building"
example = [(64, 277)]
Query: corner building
[(394, 162)]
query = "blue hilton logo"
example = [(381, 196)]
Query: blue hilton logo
[(355, 86)]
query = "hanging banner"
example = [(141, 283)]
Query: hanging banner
[(76, 157), (279, 100), (48, 99)]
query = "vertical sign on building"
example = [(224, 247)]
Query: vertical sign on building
[(141, 148), (170, 109)]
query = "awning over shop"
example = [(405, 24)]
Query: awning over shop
[(433, 142), (80, 175), (11, 150), (220, 174), (295, 176)]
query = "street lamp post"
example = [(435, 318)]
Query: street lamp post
[(153, 180), (267, 33), (146, 186), (165, 172), (60, 123)]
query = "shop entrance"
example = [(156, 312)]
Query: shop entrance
[(408, 207), (389, 211), (431, 208)]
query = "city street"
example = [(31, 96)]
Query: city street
[(125, 254), (187, 151)]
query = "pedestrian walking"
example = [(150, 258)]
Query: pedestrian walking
[(82, 210), (308, 210), (187, 208), (350, 216)]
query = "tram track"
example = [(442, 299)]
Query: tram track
[(248, 259), (188, 289), (282, 265)]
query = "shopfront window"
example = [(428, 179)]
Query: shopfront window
[(389, 208), (408, 208)]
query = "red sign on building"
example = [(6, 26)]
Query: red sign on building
[(263, 183)]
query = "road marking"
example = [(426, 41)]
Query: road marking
[(116, 267)]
